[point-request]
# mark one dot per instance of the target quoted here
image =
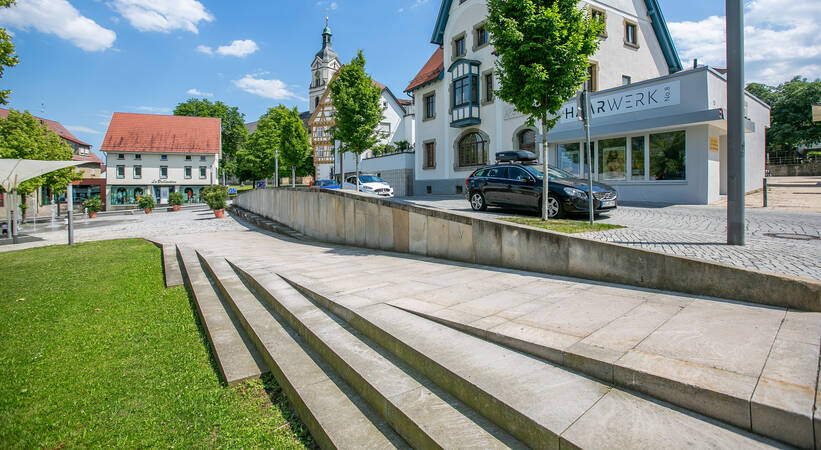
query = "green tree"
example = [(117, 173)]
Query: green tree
[(358, 111), (7, 57), (791, 124), (234, 132), (293, 141), (543, 48), (23, 136), (257, 159)]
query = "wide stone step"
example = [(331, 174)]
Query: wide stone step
[(233, 351), (267, 224), (777, 404), (333, 412), (538, 402), (170, 264), (423, 413)]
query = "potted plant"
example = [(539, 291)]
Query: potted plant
[(215, 197), (93, 205), (175, 199), (147, 203)]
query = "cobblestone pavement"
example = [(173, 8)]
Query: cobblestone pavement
[(697, 232), (159, 226)]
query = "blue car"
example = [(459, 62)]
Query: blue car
[(325, 184)]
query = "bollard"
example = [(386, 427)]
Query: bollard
[(765, 192)]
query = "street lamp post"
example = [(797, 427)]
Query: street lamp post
[(735, 122)]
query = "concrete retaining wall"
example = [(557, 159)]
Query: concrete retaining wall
[(366, 221), (795, 170)]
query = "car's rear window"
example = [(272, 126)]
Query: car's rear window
[(479, 173)]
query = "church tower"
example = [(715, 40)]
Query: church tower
[(324, 66)]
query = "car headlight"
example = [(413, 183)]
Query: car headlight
[(573, 192)]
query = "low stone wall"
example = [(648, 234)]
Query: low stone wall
[(795, 170), (367, 221)]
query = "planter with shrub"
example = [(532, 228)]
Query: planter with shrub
[(93, 205), (175, 199), (215, 197), (147, 203)]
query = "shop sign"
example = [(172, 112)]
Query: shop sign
[(714, 145), (626, 101)]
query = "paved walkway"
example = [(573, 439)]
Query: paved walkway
[(699, 232)]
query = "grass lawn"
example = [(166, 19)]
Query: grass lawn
[(97, 353), (562, 225)]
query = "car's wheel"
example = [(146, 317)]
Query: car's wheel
[(477, 201), (554, 208)]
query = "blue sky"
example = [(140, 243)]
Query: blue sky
[(82, 60)]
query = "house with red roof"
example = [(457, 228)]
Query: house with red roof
[(149, 154)]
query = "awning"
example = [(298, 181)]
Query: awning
[(15, 171)]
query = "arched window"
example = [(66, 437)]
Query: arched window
[(472, 150), (527, 140)]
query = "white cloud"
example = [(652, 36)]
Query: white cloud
[(196, 92), (268, 88), (238, 48), (163, 15), (153, 109), (781, 40), (334, 5), (205, 49), (60, 18), (82, 129)]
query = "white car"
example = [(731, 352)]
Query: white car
[(370, 184)]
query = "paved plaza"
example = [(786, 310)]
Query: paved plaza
[(700, 231)]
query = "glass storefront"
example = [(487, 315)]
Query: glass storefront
[(667, 156), (129, 195), (612, 159), (570, 157)]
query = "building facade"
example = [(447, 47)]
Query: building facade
[(397, 126), (461, 125), (156, 155)]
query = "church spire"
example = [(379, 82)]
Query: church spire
[(326, 34)]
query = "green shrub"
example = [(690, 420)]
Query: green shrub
[(175, 199), (146, 202), (93, 204), (215, 196)]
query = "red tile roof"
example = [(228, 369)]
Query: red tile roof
[(91, 157), (430, 71), (151, 133), (53, 126)]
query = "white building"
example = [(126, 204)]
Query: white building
[(680, 127), (397, 125), (155, 155)]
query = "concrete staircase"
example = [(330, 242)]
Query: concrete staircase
[(377, 376)]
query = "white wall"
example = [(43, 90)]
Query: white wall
[(151, 163)]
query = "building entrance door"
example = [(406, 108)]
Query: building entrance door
[(164, 195)]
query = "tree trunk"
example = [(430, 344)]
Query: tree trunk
[(357, 172), (545, 182), (276, 169), (341, 171)]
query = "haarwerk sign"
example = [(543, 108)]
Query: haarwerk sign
[(632, 100)]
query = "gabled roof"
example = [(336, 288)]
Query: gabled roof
[(54, 126), (91, 157), (151, 133), (668, 48), (431, 71)]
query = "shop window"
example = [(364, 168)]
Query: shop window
[(667, 156), (138, 192), (138, 172), (163, 172), (569, 156), (189, 195), (187, 172), (202, 171), (430, 106), (121, 197), (120, 171), (637, 157), (527, 140), (430, 155), (631, 33), (472, 150), (612, 159)]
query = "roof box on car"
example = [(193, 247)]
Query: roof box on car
[(518, 156)]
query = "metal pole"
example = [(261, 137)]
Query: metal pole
[(276, 169), (735, 122), (765, 192), (589, 152), (13, 217), (70, 213), (546, 177)]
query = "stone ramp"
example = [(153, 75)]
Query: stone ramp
[(233, 351), (633, 352)]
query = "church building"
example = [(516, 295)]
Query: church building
[(392, 161)]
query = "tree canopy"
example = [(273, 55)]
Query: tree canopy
[(543, 48), (294, 143), (791, 103), (233, 121), (23, 136), (7, 57), (279, 132)]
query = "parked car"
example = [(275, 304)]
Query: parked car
[(370, 184), (520, 186), (325, 184)]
